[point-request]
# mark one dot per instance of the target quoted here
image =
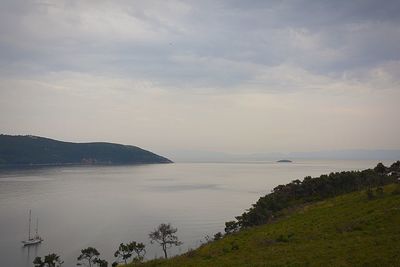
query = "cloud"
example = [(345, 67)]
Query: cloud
[(230, 72), (144, 38)]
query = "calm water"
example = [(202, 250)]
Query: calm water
[(104, 206)]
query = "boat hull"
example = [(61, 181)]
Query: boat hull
[(32, 242)]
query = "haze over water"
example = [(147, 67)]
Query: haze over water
[(104, 206)]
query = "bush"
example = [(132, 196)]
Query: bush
[(234, 245), (310, 190), (190, 253), (370, 194), (218, 236), (380, 168), (231, 227), (282, 238), (396, 191), (379, 191)]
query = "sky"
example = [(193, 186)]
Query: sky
[(227, 76)]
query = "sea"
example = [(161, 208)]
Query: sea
[(103, 206)]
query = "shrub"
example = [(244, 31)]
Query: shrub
[(396, 191), (234, 245), (370, 194), (218, 236), (231, 227), (310, 190), (282, 238), (379, 191)]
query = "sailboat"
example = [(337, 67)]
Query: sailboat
[(32, 240)]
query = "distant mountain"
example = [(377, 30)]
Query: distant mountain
[(367, 154), (355, 154), (34, 150)]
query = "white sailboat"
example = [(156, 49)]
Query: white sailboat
[(32, 240)]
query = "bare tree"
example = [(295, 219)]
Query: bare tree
[(165, 236)]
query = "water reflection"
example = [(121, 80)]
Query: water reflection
[(183, 187), (104, 206), (30, 253)]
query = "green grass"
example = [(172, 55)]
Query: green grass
[(348, 230)]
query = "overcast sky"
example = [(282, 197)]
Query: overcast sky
[(229, 76)]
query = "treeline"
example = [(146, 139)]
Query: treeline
[(313, 189), (164, 235)]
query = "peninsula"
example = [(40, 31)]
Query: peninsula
[(30, 150)]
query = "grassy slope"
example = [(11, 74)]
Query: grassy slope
[(348, 230)]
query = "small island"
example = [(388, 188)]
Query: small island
[(284, 161), (31, 150)]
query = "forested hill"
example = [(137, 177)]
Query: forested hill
[(34, 150)]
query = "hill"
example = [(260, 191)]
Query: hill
[(34, 150), (347, 230), (345, 218)]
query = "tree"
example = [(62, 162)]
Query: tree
[(313, 189), (218, 236), (231, 227), (101, 263), (380, 168), (140, 251), (395, 166), (125, 251), (51, 260), (165, 236), (88, 257)]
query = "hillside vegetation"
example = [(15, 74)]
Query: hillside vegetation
[(311, 190), (33, 150), (347, 230), (346, 218)]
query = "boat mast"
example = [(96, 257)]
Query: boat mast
[(37, 225), (29, 231)]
